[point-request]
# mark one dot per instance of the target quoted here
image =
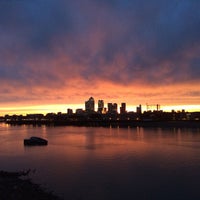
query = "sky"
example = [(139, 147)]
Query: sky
[(56, 54)]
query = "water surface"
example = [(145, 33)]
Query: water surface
[(107, 163)]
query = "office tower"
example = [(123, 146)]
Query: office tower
[(89, 105), (123, 108), (100, 106), (109, 107), (112, 108), (139, 109)]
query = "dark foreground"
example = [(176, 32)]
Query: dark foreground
[(16, 186)]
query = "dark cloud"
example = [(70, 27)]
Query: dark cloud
[(122, 41), (35, 23)]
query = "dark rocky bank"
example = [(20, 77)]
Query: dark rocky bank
[(18, 186)]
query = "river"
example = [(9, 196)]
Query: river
[(107, 163)]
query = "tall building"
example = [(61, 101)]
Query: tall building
[(112, 108), (123, 108), (139, 109), (100, 106), (89, 105)]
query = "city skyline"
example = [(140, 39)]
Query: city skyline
[(100, 106), (54, 55)]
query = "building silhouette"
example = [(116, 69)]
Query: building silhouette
[(123, 108), (139, 109), (89, 105), (112, 108), (100, 106), (79, 111), (69, 111)]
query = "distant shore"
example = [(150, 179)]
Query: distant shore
[(113, 123), (109, 119)]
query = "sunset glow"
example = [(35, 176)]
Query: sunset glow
[(55, 55), (44, 109)]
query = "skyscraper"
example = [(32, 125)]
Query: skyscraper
[(123, 108), (112, 108), (100, 106), (115, 107), (139, 109), (89, 105)]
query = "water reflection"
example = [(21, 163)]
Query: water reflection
[(108, 163)]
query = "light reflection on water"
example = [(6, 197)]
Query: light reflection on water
[(108, 163)]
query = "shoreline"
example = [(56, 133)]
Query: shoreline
[(113, 123), (17, 186)]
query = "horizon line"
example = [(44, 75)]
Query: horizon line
[(56, 108)]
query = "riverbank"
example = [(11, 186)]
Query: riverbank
[(112, 123), (18, 186)]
